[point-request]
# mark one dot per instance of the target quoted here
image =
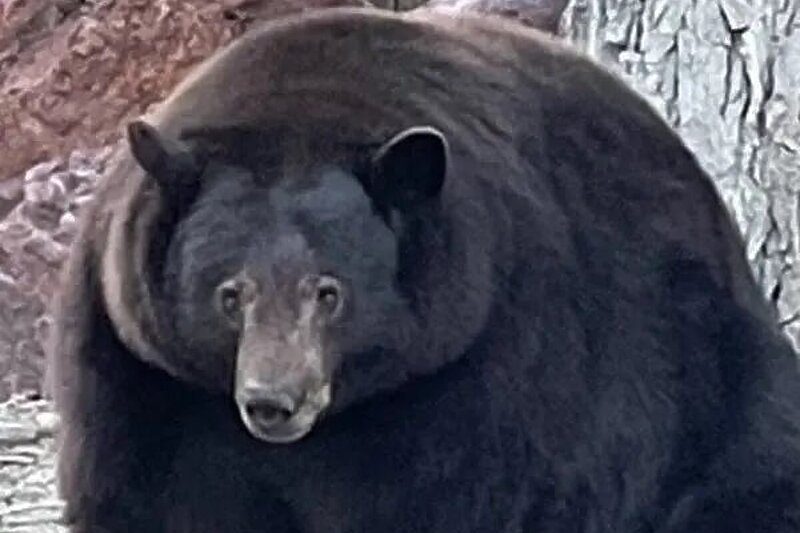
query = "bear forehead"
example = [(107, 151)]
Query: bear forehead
[(322, 216), (325, 191), (329, 193)]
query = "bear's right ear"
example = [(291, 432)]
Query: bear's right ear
[(410, 168), (169, 162)]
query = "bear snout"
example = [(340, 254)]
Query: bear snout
[(268, 408), (281, 414)]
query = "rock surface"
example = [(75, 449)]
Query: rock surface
[(34, 240), (72, 71)]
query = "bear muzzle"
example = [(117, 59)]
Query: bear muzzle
[(283, 369), (280, 415)]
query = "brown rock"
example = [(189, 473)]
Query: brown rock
[(45, 202), (10, 194), (72, 71), (45, 250)]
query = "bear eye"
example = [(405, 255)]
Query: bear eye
[(329, 295), (229, 300)]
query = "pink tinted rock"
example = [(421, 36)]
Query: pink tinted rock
[(34, 241), (71, 72)]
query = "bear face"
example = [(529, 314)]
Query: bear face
[(294, 294), (287, 282)]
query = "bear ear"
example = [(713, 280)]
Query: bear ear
[(410, 168), (167, 161)]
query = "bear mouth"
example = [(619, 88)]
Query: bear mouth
[(280, 421)]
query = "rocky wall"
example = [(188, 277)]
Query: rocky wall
[(72, 71), (34, 240)]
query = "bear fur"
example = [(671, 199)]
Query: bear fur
[(367, 271)]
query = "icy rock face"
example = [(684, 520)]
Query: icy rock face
[(34, 241)]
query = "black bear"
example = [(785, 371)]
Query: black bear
[(371, 272)]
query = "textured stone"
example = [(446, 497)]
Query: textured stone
[(72, 71), (10, 194), (34, 241)]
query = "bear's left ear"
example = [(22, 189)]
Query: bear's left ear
[(410, 168), (171, 163)]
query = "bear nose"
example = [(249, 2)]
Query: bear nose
[(269, 408)]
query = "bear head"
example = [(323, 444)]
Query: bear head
[(300, 294)]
